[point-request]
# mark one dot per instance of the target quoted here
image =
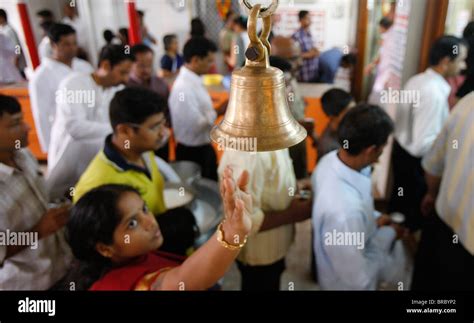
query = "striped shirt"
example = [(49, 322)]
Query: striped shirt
[(452, 158), (309, 69), (23, 203), (271, 183)]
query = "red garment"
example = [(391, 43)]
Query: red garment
[(127, 277)]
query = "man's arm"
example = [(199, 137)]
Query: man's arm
[(43, 108), (433, 165), (75, 114), (427, 122), (50, 222), (299, 210), (428, 203)]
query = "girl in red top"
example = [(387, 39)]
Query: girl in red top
[(115, 238)]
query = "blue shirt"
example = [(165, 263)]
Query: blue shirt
[(329, 62), (172, 64), (351, 251)]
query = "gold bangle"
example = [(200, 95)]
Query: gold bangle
[(225, 244)]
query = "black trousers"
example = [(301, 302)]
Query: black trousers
[(204, 155), (409, 186), (298, 156), (441, 264), (266, 278)]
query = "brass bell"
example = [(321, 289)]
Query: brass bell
[(258, 117)]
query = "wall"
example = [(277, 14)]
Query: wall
[(333, 21), (162, 17), (10, 6)]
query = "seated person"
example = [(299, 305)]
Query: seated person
[(128, 158), (171, 61), (105, 217), (336, 103), (356, 247), (43, 257)]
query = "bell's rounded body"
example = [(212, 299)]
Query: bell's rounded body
[(258, 111)]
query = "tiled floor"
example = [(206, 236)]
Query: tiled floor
[(297, 273)]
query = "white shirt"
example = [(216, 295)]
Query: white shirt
[(42, 88), (23, 203), (45, 50), (343, 205), (192, 112), (452, 158), (8, 71), (271, 184), (8, 31), (79, 130), (416, 127)]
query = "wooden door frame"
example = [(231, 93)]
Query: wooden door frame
[(361, 40), (433, 28)]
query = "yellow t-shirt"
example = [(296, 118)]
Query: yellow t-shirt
[(102, 171)]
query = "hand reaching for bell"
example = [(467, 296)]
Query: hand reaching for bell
[(237, 206)]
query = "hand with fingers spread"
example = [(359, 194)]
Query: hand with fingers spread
[(237, 206)]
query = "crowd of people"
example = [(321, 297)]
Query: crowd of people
[(100, 215)]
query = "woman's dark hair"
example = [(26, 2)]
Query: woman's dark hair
[(123, 107), (364, 126), (445, 47), (198, 46), (115, 54), (197, 28), (168, 39), (335, 101), (93, 219), (56, 31)]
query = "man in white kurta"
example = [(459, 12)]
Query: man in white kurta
[(45, 80), (82, 118)]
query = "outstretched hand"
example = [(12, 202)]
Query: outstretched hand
[(237, 203)]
